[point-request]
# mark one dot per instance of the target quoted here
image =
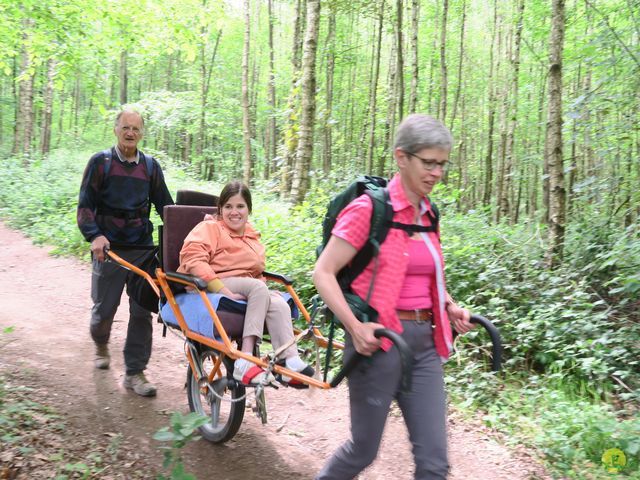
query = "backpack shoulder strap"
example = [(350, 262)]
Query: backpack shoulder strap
[(107, 162), (107, 166), (381, 216), (149, 163), (434, 216)]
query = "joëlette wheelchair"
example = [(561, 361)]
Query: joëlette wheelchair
[(212, 340)]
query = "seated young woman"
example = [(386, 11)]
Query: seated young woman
[(226, 252)]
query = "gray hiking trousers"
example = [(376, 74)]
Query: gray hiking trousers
[(373, 384), (108, 280)]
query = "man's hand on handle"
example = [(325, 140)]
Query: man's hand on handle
[(98, 246)]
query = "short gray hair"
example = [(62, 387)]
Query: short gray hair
[(418, 131), (128, 110)]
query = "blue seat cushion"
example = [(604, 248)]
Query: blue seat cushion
[(230, 312)]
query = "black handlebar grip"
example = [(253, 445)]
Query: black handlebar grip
[(406, 359), (197, 282), (496, 348)]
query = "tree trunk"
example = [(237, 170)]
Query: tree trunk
[(505, 211), (415, 22), (553, 144), (304, 153), (361, 146), (45, 144), (271, 96), (540, 132), (291, 134), (186, 146), (442, 111), (246, 113), (124, 77), (24, 126), (488, 161), (205, 81), (373, 93), (169, 74), (456, 97), (433, 101), (327, 127), (391, 111), (399, 60)]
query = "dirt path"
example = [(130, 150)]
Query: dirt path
[(47, 300)]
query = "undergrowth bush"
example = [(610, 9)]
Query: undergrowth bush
[(573, 433), (554, 322)]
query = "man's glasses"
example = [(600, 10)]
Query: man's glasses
[(430, 165), (135, 130)]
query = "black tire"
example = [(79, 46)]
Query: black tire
[(225, 416)]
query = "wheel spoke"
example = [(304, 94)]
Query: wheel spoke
[(220, 400)]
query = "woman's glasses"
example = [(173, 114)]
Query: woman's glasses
[(430, 165)]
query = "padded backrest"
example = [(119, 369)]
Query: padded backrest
[(179, 220), (193, 197)]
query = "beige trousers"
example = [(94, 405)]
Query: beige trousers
[(264, 306)]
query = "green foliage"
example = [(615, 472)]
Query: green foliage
[(41, 199), (291, 235), (179, 433), (572, 433), (558, 322)]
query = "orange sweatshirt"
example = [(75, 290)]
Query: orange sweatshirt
[(212, 251)]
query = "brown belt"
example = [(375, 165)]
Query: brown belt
[(419, 315)]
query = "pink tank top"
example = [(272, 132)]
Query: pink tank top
[(416, 290)]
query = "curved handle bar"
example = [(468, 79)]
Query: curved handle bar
[(494, 333), (406, 359)]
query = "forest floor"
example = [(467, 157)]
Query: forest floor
[(107, 429)]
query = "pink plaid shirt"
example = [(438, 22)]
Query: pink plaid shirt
[(353, 225)]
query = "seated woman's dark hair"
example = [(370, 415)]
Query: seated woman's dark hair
[(232, 188)]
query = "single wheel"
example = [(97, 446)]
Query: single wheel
[(218, 399)]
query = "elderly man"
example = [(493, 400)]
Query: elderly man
[(118, 187)]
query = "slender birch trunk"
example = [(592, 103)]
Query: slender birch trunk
[(327, 123), (415, 22), (442, 110), (291, 133), (456, 97), (399, 60), (271, 99), (124, 78), (304, 153), (553, 144), (45, 142), (246, 114), (373, 96), (505, 205)]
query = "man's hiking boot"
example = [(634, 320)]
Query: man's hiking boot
[(102, 358), (139, 384)]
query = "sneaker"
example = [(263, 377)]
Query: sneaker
[(250, 374), (298, 367), (102, 358), (139, 384)]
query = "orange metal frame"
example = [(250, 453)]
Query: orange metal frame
[(225, 346)]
